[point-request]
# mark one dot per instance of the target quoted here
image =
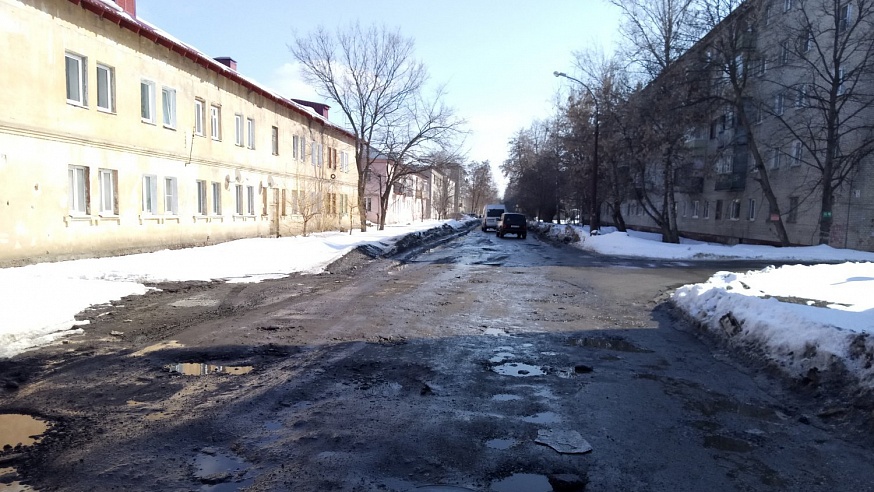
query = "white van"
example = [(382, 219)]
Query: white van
[(491, 214)]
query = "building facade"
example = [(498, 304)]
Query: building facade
[(779, 58), (116, 138)]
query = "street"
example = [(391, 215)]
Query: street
[(480, 364)]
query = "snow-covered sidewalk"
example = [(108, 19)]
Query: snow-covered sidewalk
[(38, 302)]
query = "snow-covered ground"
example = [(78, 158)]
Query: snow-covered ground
[(802, 317)]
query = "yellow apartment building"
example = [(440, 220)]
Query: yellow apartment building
[(117, 138)]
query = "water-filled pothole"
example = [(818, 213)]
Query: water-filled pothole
[(202, 369), (543, 418), (16, 428), (610, 343), (501, 443), (522, 482), (221, 472), (517, 369), (506, 397)]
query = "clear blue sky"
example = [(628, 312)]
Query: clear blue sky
[(496, 56)]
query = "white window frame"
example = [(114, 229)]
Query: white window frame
[(238, 130), (76, 73), (198, 117), (78, 199), (215, 122), (695, 205), (775, 158), (706, 214), (274, 140), (787, 5), (250, 200), (751, 213), (314, 153), (201, 197), (106, 179), (147, 101), (840, 75), (250, 131), (797, 153), (105, 88), (150, 194), (168, 105), (845, 16), (171, 196), (216, 193), (734, 210), (238, 199), (779, 103)]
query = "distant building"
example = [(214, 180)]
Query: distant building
[(117, 138)]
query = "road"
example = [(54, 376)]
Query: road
[(480, 364)]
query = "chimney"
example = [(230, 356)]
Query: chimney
[(227, 61), (320, 108), (129, 6)]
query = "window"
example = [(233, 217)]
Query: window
[(725, 164), (761, 66), (274, 143), (250, 200), (751, 214), (238, 129), (775, 158), (695, 205), (238, 200), (264, 202), (845, 17), (840, 81), (168, 102), (706, 209), (215, 117), (250, 130), (295, 142), (108, 191), (787, 5), (198, 117), (171, 197), (295, 202), (778, 104), (801, 96), (201, 197), (734, 210), (216, 198), (797, 153), (344, 204), (284, 198), (758, 114), (105, 88), (150, 194), (75, 68), (784, 53), (717, 212), (792, 216), (368, 204), (807, 41), (147, 101), (79, 199), (344, 161), (331, 203), (313, 153)]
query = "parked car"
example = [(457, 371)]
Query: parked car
[(491, 214), (511, 223)]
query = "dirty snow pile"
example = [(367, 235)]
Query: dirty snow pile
[(38, 302)]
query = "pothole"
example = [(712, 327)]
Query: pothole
[(16, 428), (501, 443), (506, 397), (610, 343), (522, 482), (517, 369), (543, 418), (220, 472), (724, 443), (203, 369)]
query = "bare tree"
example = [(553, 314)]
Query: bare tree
[(370, 73), (480, 187), (305, 201)]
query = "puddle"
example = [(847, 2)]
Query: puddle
[(518, 369), (442, 488), (501, 443), (220, 472), (197, 301), (172, 344), (9, 482), (506, 397), (610, 343), (501, 356), (723, 443), (522, 482), (543, 418), (497, 332), (200, 369), (21, 429)]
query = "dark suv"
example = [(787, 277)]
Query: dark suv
[(512, 224)]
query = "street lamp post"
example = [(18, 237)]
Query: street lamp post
[(594, 216)]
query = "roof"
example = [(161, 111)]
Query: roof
[(109, 10)]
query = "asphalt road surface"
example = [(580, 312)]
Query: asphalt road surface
[(480, 364)]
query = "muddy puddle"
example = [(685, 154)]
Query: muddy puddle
[(203, 369), (522, 482), (609, 343), (21, 429), (518, 369), (501, 443), (221, 472)]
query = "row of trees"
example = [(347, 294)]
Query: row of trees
[(628, 129)]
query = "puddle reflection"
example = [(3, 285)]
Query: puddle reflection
[(202, 369), (21, 429), (518, 369)]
